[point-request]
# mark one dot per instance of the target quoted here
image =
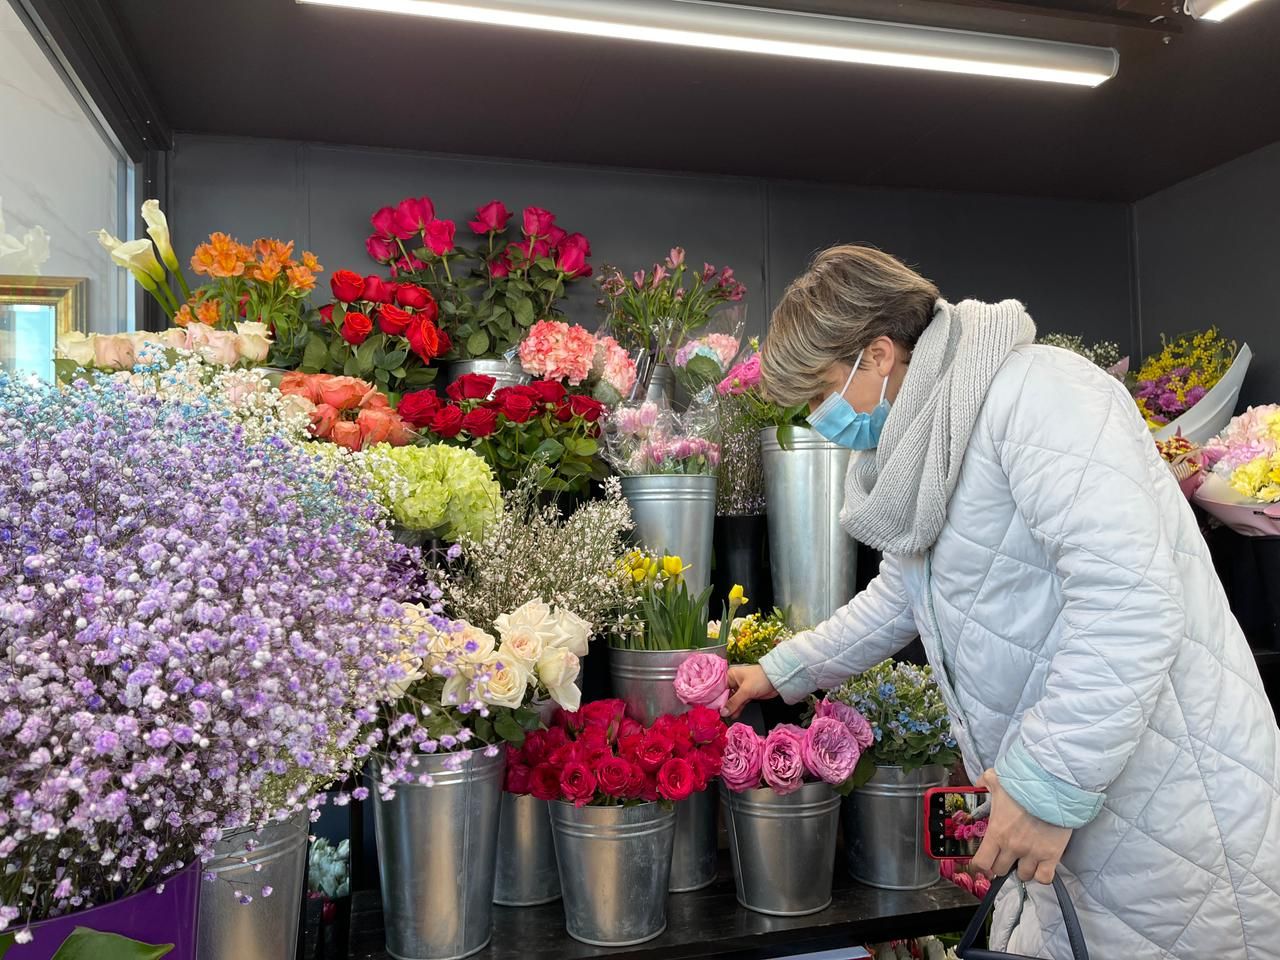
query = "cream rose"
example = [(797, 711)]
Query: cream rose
[(113, 352), (534, 614), (558, 670), (508, 682), (524, 643), (75, 346), (444, 644), (253, 341), (484, 643), (457, 690), (571, 632), (216, 346), (414, 670)]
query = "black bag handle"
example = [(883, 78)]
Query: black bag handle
[(1075, 936)]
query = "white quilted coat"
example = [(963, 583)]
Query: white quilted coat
[(1086, 651)]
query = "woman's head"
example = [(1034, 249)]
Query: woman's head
[(851, 300)]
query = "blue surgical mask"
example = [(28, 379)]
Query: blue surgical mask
[(836, 419)]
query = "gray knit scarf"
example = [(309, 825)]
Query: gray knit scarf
[(896, 496)]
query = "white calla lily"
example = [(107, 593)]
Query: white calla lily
[(139, 258), (158, 230)]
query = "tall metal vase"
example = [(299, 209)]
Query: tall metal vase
[(437, 853), (247, 861), (527, 872), (645, 681), (675, 514), (813, 561), (506, 373), (884, 826), (614, 867)]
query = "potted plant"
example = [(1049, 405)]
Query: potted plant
[(611, 782), (490, 294), (166, 707), (912, 751), (780, 793), (461, 694)]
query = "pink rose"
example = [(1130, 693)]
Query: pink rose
[(538, 222), (743, 752), (947, 868), (439, 236), (216, 346), (703, 680), (851, 718), (491, 218), (114, 352), (830, 752), (782, 761)]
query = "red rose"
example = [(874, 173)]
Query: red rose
[(518, 408), (705, 725), (544, 782), (381, 249), (649, 788), (534, 750), (327, 312), (703, 771), (655, 750), (471, 386), (480, 422), (500, 267), (575, 241), (356, 328), (571, 261), (675, 779), (628, 727), (446, 422), (556, 737), (409, 264), (518, 778), (519, 390), (588, 408), (547, 391), (564, 412), (419, 407), (537, 222), (491, 218), (630, 745), (578, 783), (412, 216), (446, 343), (346, 285), (424, 338), (384, 221), (614, 776), (392, 320), (675, 729), (377, 290), (413, 296), (440, 237), (563, 754), (605, 715)]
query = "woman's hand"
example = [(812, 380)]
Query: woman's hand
[(1015, 836), (747, 683)]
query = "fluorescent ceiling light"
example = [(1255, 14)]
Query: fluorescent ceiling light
[(721, 26), (1216, 10)]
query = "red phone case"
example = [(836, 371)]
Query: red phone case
[(928, 806)]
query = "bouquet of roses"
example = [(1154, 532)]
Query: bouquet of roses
[(571, 354), (1242, 485), (1173, 381), (648, 439), (537, 427), (600, 756), (909, 721), (489, 294), (349, 412), (702, 362)]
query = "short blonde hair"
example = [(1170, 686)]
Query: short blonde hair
[(849, 296)]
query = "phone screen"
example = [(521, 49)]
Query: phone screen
[(957, 821)]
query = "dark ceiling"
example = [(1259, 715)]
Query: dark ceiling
[(1182, 102)]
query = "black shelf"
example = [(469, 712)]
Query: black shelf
[(710, 923)]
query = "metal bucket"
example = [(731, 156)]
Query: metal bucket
[(245, 862), (675, 514), (645, 680), (527, 872), (437, 850), (614, 867), (813, 561), (662, 386), (783, 848), (506, 373), (884, 824), (693, 857)]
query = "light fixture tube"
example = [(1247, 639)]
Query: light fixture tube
[(721, 26), (1216, 10)]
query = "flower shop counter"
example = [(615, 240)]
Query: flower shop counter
[(710, 923)]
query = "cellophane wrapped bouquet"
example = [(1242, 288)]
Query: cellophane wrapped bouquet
[(1174, 380), (650, 438)]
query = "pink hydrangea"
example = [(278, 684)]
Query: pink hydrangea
[(558, 351), (613, 365), (1247, 437)]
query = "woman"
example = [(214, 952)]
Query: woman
[(1097, 682)]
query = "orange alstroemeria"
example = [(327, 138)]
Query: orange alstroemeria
[(301, 279), (267, 269), (208, 312), (310, 262), (266, 248), (184, 316), (220, 257)]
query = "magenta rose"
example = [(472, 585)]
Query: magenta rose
[(782, 760), (851, 718), (743, 751), (830, 752), (703, 681)]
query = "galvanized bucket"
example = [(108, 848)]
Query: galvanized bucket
[(645, 680), (662, 385), (884, 825), (614, 866), (437, 850), (245, 862), (813, 561), (527, 871), (506, 373), (783, 848), (693, 857), (675, 514)]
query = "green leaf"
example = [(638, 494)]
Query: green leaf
[(338, 351), (418, 377), (549, 450), (703, 370), (582, 446), (477, 343), (86, 944), (6, 941), (864, 771), (524, 312), (316, 354), (449, 307), (365, 356), (352, 367), (339, 314), (398, 372), (508, 728)]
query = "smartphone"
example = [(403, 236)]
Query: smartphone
[(955, 821)]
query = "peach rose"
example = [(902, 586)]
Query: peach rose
[(175, 338), (346, 433), (375, 399), (323, 419), (345, 393), (297, 384), (381, 426), (77, 347), (113, 352), (216, 346)]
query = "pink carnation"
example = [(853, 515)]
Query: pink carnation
[(613, 365), (558, 351)]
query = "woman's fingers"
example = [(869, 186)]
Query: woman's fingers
[(741, 697), (1046, 870), (747, 683), (984, 860), (1027, 869)]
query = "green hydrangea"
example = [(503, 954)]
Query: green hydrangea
[(447, 491)]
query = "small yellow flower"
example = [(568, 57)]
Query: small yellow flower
[(672, 566), (737, 595)]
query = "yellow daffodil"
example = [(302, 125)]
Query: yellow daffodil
[(672, 566), (737, 595)]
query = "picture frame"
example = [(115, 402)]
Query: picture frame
[(35, 314)]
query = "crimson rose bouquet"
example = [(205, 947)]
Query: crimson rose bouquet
[(602, 757), (538, 427), (490, 294), (380, 331)]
